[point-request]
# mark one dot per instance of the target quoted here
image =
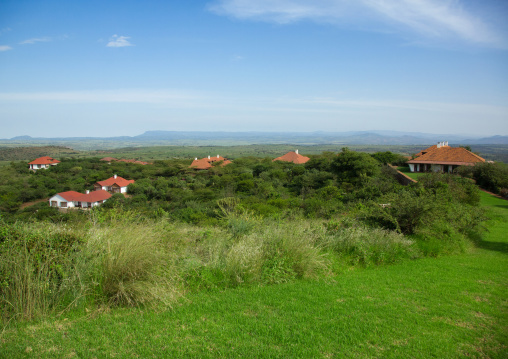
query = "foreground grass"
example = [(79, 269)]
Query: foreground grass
[(443, 307)]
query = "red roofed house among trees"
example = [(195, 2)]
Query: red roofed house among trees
[(206, 162), (72, 199), (443, 158), (293, 157), (42, 162), (115, 184)]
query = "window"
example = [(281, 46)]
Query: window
[(63, 204)]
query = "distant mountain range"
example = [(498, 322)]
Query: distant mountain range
[(202, 138)]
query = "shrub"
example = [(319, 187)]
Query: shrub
[(490, 176), (354, 167)]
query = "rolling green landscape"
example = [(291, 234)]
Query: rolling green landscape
[(19, 152), (332, 258)]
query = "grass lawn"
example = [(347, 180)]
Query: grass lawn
[(447, 307), (407, 172)]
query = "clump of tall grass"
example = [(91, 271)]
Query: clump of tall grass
[(364, 245), (129, 264), (35, 268), (252, 251), (46, 267)]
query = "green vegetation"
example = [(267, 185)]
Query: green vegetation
[(445, 307), (490, 176), (330, 258), (31, 153)]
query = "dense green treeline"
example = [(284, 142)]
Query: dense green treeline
[(328, 184)]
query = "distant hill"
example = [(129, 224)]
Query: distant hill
[(222, 138), (31, 153), (494, 140)]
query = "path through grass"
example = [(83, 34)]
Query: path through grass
[(447, 307)]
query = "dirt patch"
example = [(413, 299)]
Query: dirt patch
[(28, 204)]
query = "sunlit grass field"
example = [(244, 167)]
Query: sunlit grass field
[(445, 307)]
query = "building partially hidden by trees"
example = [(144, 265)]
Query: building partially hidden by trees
[(207, 162), (115, 184), (443, 158), (294, 157), (42, 163)]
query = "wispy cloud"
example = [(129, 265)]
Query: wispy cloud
[(5, 48), (35, 40), (436, 19), (119, 41), (104, 96)]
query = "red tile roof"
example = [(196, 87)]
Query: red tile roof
[(447, 155), (45, 160), (121, 182), (206, 162), (94, 196), (108, 159), (70, 195), (431, 148), (294, 157)]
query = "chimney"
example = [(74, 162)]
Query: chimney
[(217, 156), (296, 151), (195, 158), (439, 145), (115, 176), (208, 156), (446, 143), (87, 191)]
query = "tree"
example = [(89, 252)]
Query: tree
[(354, 167)]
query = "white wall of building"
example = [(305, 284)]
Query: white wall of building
[(59, 200)]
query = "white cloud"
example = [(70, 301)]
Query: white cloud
[(5, 48), (437, 19), (119, 41), (34, 40)]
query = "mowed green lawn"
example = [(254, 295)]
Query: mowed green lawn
[(447, 307)]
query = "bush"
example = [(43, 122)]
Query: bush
[(491, 176), (354, 167)]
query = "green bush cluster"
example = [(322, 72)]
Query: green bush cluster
[(490, 176)]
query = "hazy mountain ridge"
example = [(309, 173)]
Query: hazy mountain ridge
[(218, 138)]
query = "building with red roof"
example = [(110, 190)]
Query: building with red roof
[(72, 199), (206, 162), (115, 184), (42, 162), (294, 157), (112, 159), (443, 158), (93, 198)]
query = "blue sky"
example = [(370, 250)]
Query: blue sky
[(111, 68)]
